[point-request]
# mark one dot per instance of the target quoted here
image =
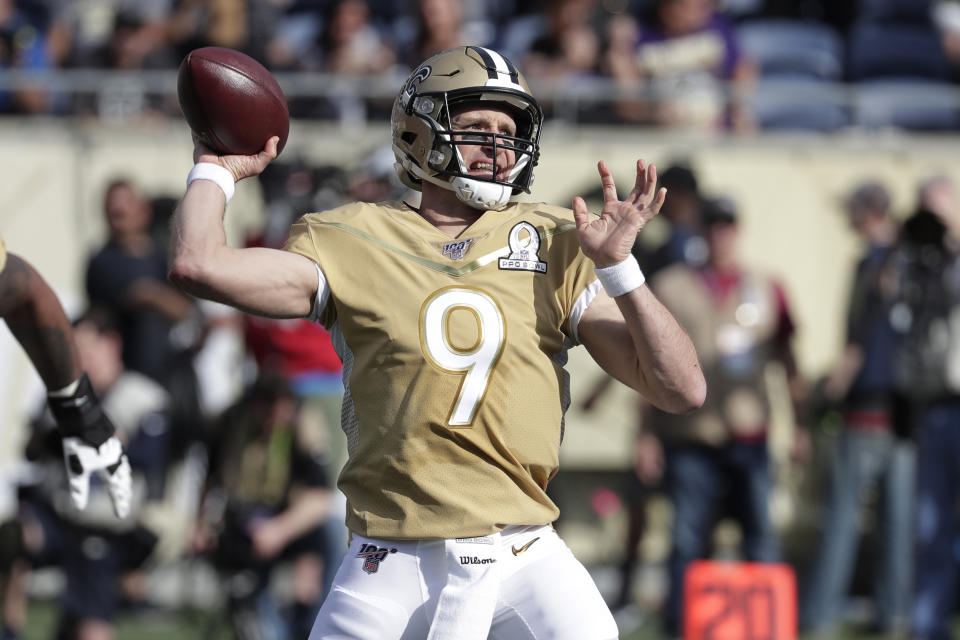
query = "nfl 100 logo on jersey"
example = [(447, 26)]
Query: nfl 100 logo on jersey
[(457, 249), (372, 556), (524, 242)]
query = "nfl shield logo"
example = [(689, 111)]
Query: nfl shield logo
[(372, 556), (457, 249)]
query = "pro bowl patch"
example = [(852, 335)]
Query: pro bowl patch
[(524, 242)]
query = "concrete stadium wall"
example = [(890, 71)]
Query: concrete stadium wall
[(789, 190)]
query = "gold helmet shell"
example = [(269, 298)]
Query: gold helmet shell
[(424, 144)]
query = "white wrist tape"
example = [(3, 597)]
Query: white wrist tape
[(215, 174), (621, 278)]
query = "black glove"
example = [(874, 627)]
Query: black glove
[(80, 415)]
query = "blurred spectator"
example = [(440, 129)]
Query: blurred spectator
[(267, 498), (682, 241), (619, 57), (139, 39), (83, 33), (439, 26), (300, 350), (569, 48), (293, 34), (946, 18), (686, 53), (128, 276), (925, 309), (867, 454), (375, 180), (23, 47), (351, 44), (94, 548), (642, 478), (218, 23), (716, 459)]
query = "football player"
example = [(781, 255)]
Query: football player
[(38, 322), (453, 320)]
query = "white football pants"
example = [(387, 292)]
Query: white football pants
[(520, 584)]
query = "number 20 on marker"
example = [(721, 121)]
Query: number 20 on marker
[(740, 601)]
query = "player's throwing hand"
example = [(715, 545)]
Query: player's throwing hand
[(607, 240), (240, 166)]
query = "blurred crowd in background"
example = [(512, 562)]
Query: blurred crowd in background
[(738, 65)]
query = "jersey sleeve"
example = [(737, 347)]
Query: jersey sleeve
[(300, 241), (580, 285)]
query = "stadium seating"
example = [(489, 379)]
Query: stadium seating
[(908, 103), (895, 50), (803, 104), (800, 63), (895, 11), (793, 47)]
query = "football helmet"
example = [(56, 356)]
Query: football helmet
[(427, 148)]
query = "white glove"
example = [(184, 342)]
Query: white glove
[(108, 461), (90, 446)]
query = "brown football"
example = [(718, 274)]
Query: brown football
[(231, 101)]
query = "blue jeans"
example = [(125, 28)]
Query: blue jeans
[(938, 484), (861, 460), (700, 482)]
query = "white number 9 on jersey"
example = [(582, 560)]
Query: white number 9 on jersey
[(478, 361)]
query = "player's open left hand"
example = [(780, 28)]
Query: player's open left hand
[(240, 166), (607, 240)]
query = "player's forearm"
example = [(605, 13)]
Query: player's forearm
[(260, 281), (197, 237), (667, 366), (636, 340), (38, 322)]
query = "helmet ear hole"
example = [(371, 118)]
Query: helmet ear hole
[(409, 137), (438, 159)]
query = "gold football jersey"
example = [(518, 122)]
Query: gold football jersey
[(3, 255), (453, 353)]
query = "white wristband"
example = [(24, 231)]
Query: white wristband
[(621, 278), (215, 174)]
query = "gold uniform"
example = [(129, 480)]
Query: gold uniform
[(453, 353), (3, 255)]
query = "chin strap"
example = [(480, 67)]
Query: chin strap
[(480, 195)]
